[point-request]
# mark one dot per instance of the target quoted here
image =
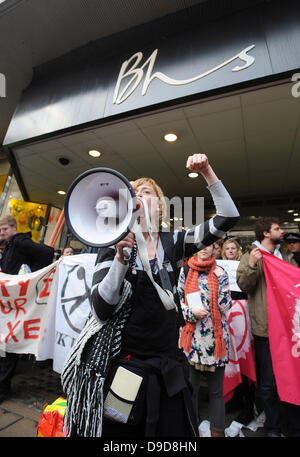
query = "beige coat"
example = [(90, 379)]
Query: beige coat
[(252, 281)]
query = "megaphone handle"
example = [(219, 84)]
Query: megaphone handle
[(127, 254), (130, 256)]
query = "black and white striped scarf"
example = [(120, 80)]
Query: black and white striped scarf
[(85, 368)]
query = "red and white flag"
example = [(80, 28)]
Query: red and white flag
[(241, 350), (283, 304)]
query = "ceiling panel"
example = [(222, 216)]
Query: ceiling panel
[(155, 134), (227, 154), (270, 151), (75, 160), (44, 146), (266, 182), (225, 125), (115, 129), (213, 106), (265, 95), (158, 118), (297, 138), (272, 116)]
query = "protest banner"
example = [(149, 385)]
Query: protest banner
[(283, 306), (241, 350), (230, 266), (25, 302), (71, 307)]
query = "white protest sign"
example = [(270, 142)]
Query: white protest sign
[(25, 302), (230, 266), (71, 309)]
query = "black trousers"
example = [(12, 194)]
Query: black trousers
[(7, 369), (216, 406), (268, 391), (173, 421)]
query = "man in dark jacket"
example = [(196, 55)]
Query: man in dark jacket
[(19, 250)]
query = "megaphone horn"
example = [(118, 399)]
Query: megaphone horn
[(100, 207)]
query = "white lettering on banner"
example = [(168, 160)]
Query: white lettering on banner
[(137, 73), (296, 347), (296, 329), (65, 340)]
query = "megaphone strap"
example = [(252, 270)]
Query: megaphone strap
[(148, 222), (166, 296)]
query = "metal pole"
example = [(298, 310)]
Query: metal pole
[(45, 223)]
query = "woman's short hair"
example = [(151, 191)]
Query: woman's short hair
[(239, 248), (159, 193)]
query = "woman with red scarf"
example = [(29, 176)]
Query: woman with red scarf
[(205, 297)]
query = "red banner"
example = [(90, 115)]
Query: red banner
[(241, 351), (283, 304)]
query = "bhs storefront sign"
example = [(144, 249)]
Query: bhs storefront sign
[(130, 69)]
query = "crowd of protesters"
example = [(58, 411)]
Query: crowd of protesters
[(150, 336), (251, 280)]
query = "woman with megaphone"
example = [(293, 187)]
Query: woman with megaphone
[(126, 375)]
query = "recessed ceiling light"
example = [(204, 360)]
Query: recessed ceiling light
[(61, 192), (295, 214), (94, 153), (170, 137), (193, 175), (297, 219), (291, 210)]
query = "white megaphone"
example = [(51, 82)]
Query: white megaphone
[(100, 207)]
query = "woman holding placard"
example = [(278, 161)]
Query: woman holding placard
[(205, 298)]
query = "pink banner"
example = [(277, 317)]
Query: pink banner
[(283, 303), (241, 351)]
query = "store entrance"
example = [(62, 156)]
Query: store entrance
[(252, 139)]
